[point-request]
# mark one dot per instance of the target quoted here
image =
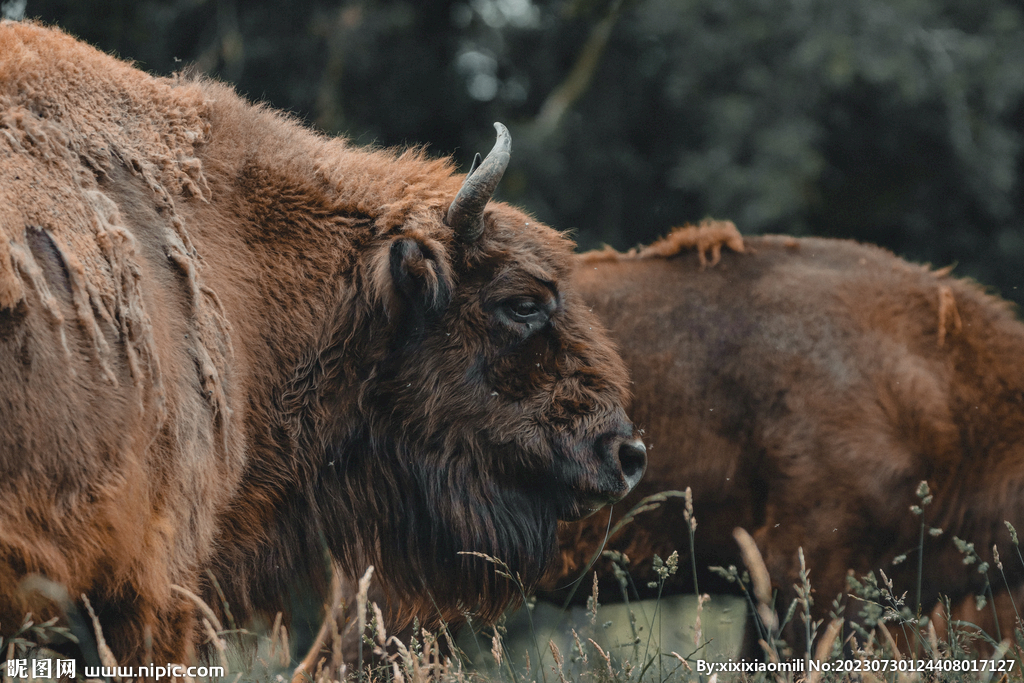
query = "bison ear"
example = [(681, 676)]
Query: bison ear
[(420, 273)]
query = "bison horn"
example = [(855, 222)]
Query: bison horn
[(466, 214)]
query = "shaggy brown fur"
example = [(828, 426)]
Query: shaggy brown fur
[(802, 391), (224, 338)]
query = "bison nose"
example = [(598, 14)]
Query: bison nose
[(621, 461), (625, 459), (633, 461)]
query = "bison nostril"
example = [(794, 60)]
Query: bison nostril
[(632, 460)]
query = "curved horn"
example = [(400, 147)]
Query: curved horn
[(466, 214)]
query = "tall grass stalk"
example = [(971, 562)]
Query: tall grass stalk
[(1009, 590), (1013, 538), (622, 577), (925, 498), (362, 598), (970, 557), (505, 571), (803, 591), (664, 569), (920, 570), (760, 581), (691, 527)]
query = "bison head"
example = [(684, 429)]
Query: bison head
[(480, 402)]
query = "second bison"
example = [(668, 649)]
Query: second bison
[(802, 390)]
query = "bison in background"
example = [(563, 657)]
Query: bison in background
[(802, 390), (225, 339)]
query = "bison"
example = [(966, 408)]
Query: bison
[(227, 341), (803, 390)]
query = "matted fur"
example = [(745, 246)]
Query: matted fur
[(802, 391), (707, 236), (225, 339)]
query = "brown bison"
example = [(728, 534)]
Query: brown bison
[(802, 390), (226, 340)]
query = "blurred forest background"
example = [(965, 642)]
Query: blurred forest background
[(898, 122)]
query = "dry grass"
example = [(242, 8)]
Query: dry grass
[(658, 641)]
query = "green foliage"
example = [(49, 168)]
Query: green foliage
[(892, 121)]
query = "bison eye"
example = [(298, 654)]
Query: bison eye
[(526, 311)]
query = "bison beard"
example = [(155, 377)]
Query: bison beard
[(466, 515), (225, 339), (802, 391)]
